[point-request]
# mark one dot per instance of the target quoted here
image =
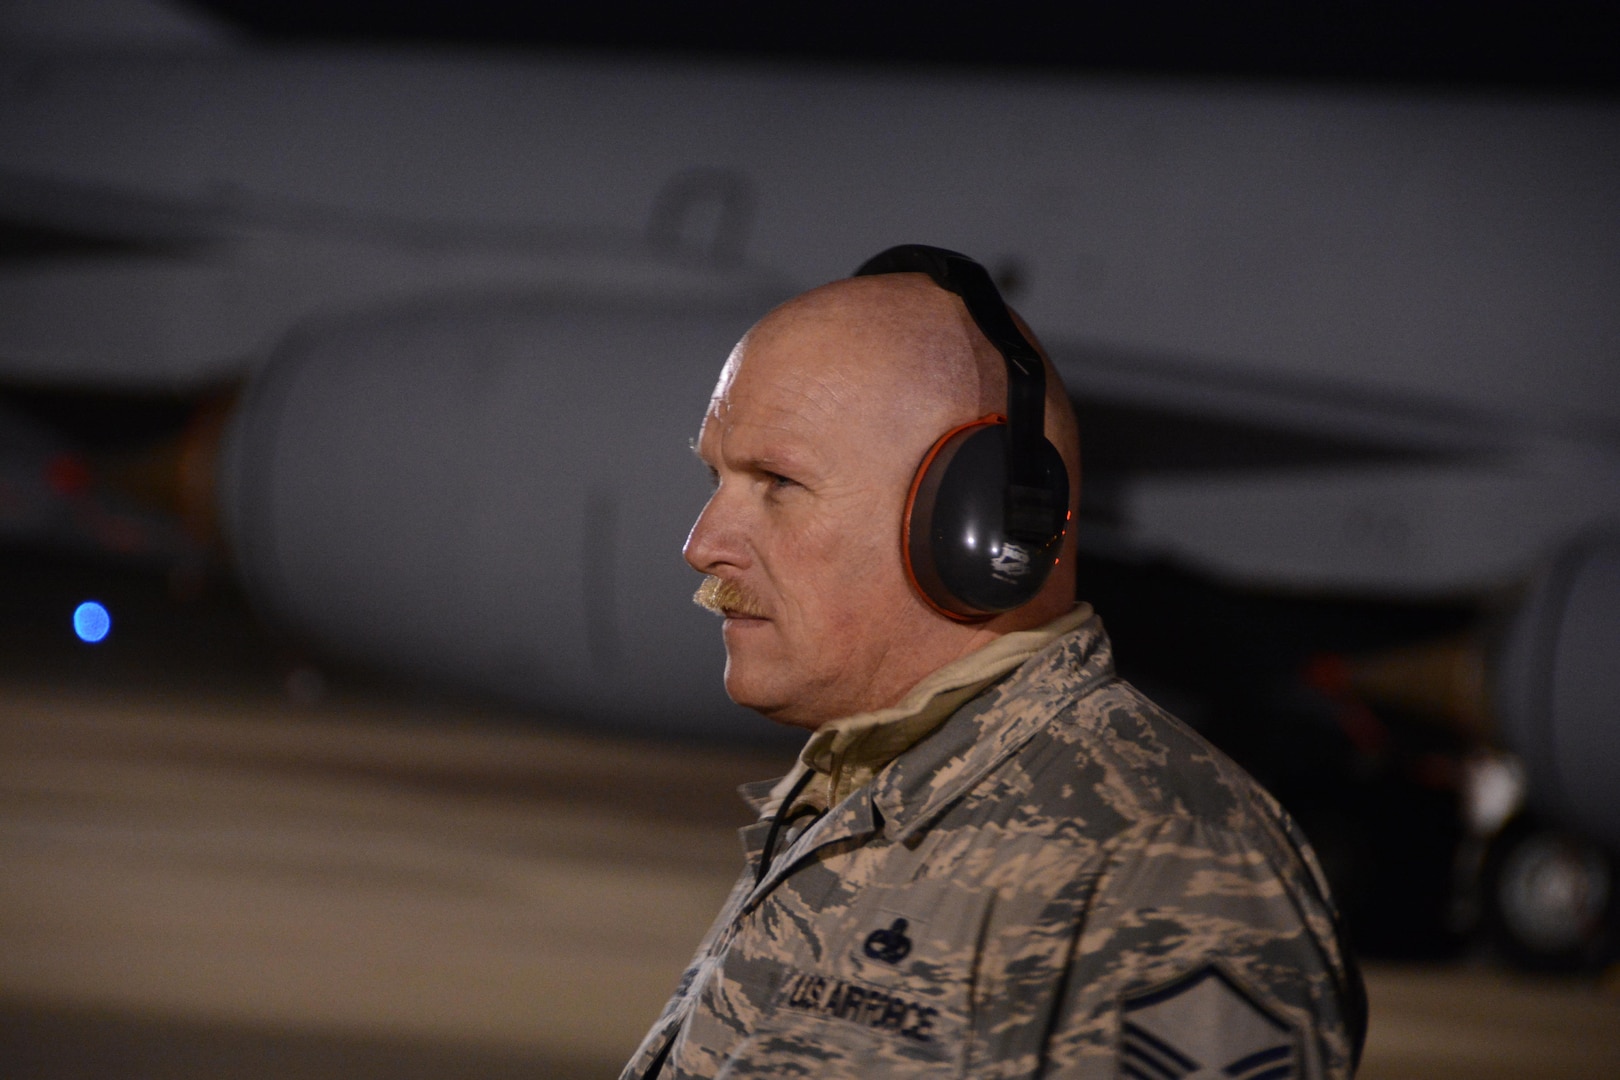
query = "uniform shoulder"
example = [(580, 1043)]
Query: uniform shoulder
[(1137, 763)]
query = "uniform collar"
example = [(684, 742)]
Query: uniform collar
[(964, 721), (954, 757), (849, 752)]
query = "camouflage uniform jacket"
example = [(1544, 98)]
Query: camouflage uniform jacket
[(1060, 881)]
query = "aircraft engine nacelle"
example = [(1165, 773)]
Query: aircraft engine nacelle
[(1558, 688), (493, 494)]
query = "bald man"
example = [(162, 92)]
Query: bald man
[(993, 858)]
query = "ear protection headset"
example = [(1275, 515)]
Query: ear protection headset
[(990, 502)]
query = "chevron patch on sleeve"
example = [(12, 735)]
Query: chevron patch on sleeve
[(1204, 1026)]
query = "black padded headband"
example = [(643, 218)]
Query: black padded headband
[(1026, 375)]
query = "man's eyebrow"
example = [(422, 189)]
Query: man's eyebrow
[(773, 459), (778, 463)]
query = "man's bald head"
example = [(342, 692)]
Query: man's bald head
[(920, 340), (819, 421)]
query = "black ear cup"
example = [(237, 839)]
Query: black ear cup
[(990, 503), (960, 550)]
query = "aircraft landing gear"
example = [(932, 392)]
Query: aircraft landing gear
[(1550, 899)]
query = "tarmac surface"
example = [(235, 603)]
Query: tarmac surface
[(233, 885), (218, 862)]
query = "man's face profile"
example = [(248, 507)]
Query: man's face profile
[(811, 438)]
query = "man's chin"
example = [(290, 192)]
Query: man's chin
[(770, 706), (750, 686)]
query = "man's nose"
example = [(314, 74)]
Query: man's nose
[(714, 542)]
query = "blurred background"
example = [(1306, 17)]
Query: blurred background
[(354, 718)]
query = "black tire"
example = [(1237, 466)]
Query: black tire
[(1551, 898)]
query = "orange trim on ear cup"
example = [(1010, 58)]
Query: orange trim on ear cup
[(911, 501)]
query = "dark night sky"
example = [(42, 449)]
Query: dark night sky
[(1558, 46)]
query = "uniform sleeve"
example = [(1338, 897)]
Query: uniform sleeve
[(1197, 954)]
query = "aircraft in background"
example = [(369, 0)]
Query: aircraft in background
[(425, 336)]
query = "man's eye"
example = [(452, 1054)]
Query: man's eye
[(779, 481)]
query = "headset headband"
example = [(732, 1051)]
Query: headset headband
[(1029, 514)]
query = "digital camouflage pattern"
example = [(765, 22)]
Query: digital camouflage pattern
[(1060, 881)]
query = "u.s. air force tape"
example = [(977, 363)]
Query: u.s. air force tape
[(824, 995)]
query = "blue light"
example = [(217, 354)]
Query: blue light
[(91, 621)]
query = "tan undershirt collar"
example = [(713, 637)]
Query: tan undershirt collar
[(849, 752)]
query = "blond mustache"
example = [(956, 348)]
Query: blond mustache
[(727, 598)]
